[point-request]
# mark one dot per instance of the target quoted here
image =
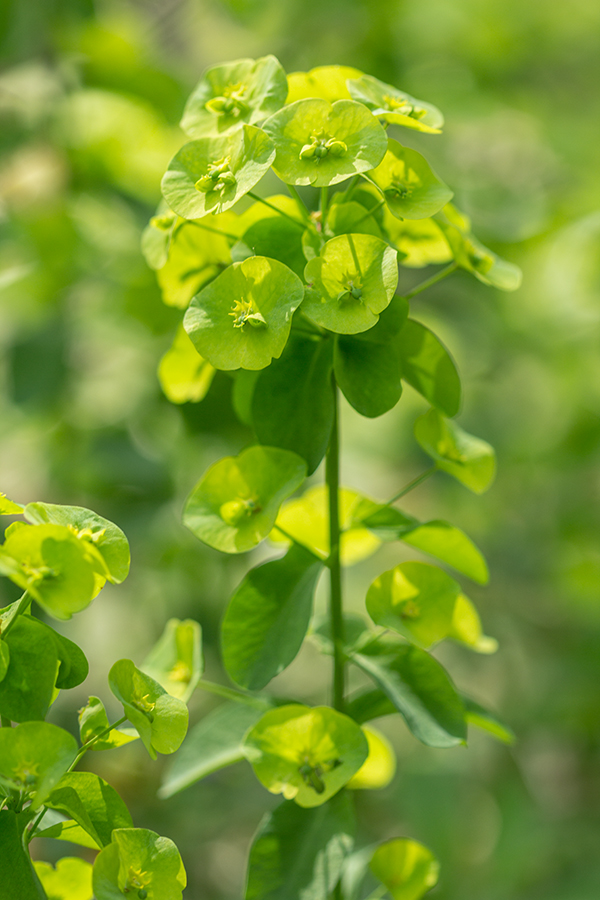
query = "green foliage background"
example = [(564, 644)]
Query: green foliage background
[(90, 96)]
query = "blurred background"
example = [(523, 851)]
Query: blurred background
[(91, 92)]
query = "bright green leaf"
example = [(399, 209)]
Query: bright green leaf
[(306, 754), (268, 617), (467, 458), (243, 317), (466, 627), (394, 106), (487, 721), (326, 82), (379, 768), (197, 254), (176, 661), (70, 880), (156, 236), (137, 861), (93, 720), (9, 507), (409, 185), (321, 143), (183, 374), (234, 505), (428, 367), (349, 218), (277, 238), (33, 758), (407, 868), (92, 803), (420, 242), (65, 830)]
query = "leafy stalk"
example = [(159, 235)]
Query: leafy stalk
[(332, 477)]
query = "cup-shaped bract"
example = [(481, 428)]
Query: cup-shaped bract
[(211, 174), (472, 255), (466, 627), (411, 188), (160, 719), (93, 721), (70, 880), (176, 660), (234, 505), (350, 283), (243, 318), (33, 758), (306, 754), (244, 91), (380, 765), (407, 868), (139, 863), (183, 374), (326, 82), (395, 106), (321, 143)]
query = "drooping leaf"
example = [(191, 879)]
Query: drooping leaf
[(298, 853), (428, 367), (214, 743), (70, 880), (9, 507), (415, 599), (28, 685), (228, 95), (183, 374), (409, 185), (350, 283), (243, 317), (176, 661), (160, 719), (321, 143), (293, 400), (466, 627), (211, 174), (394, 106), (326, 82), (420, 242), (420, 689), (380, 765), (488, 721), (137, 861), (407, 868), (93, 720), (92, 803), (234, 505), (467, 458), (33, 758), (268, 617), (306, 754), (197, 254), (19, 879)]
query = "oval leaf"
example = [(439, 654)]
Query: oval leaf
[(137, 861), (183, 374), (428, 367), (467, 458), (33, 758), (409, 185)]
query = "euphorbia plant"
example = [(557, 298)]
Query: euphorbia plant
[(297, 296)]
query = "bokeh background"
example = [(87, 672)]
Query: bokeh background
[(90, 96)]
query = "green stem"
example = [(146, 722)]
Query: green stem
[(35, 824), (300, 204), (348, 192), (231, 694), (413, 484), (23, 605), (323, 206), (332, 478), (370, 212), (431, 281), (280, 211), (88, 744), (227, 234)]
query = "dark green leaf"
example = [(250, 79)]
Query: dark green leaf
[(369, 705), (74, 667), (277, 238), (92, 803), (429, 368), (18, 880), (27, 688)]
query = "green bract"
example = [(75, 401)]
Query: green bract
[(183, 374), (320, 143), (33, 758), (326, 82), (176, 660), (466, 627), (9, 507), (394, 106), (70, 880), (235, 504), (421, 242), (228, 95), (140, 863), (407, 868), (469, 459), (411, 188), (243, 318), (305, 754), (160, 719), (196, 255), (351, 282), (93, 721), (213, 173)]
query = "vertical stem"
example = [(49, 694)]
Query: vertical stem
[(332, 477), (324, 193)]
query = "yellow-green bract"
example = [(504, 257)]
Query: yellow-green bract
[(407, 868), (33, 758), (70, 880), (469, 459), (409, 185), (394, 106), (139, 862)]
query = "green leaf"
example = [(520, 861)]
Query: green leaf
[(211, 174), (268, 617), (214, 743), (27, 688), (394, 106), (74, 667), (466, 627), (183, 374), (420, 242), (196, 256), (298, 853), (368, 366), (415, 599), (420, 689), (379, 767), (351, 282), (19, 879), (409, 185), (306, 520), (367, 705), (407, 868), (243, 318), (234, 505), (92, 803), (306, 754), (243, 393), (4, 660), (320, 143), (33, 758), (277, 238), (293, 400), (176, 661), (245, 90), (65, 830), (488, 721), (9, 507), (93, 720), (349, 218), (428, 367), (156, 236), (470, 254), (137, 861), (326, 82), (94, 532), (70, 880), (467, 458), (160, 719)]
